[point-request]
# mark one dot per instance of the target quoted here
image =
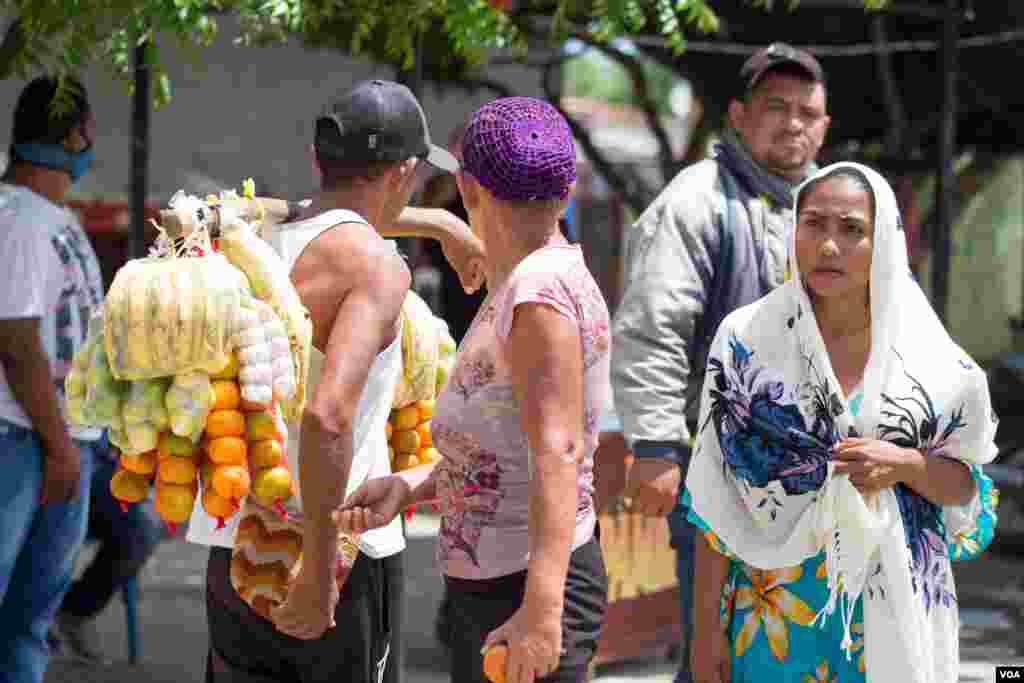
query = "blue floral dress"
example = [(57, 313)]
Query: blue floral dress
[(768, 615)]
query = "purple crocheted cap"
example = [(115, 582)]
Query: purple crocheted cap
[(520, 148)]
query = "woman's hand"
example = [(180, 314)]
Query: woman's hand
[(374, 504), (873, 464), (709, 648), (534, 640), (709, 655)]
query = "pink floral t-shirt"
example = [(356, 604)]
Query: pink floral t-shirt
[(483, 478)]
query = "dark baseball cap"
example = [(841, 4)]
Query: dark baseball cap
[(35, 119), (378, 121), (774, 56)]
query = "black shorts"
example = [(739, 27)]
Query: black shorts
[(475, 608), (246, 648)]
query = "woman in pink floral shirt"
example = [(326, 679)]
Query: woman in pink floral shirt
[(517, 422)]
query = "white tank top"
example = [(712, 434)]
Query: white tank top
[(370, 447)]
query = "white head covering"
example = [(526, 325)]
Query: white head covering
[(771, 410)]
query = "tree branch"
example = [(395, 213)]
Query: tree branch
[(14, 41), (895, 138), (494, 86), (633, 190), (635, 68), (472, 84)]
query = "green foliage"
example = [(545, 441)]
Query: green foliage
[(63, 36), (668, 18)]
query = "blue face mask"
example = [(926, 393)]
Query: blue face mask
[(75, 164)]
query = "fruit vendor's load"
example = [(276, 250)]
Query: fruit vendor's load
[(429, 350), (198, 349), (287, 317), (420, 352), (198, 363), (145, 414), (409, 440), (167, 315)]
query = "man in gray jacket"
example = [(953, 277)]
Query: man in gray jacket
[(713, 241)]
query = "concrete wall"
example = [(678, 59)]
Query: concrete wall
[(239, 112)]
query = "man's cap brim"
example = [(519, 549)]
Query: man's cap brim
[(442, 159)]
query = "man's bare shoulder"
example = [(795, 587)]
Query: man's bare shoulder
[(356, 257)]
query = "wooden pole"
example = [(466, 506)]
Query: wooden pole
[(946, 184), (141, 104)]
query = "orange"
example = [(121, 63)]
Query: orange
[(405, 418), (266, 453), (271, 485), (177, 471), (229, 371), (143, 463), (217, 505), (225, 423), (406, 461), (425, 409), (406, 441), (261, 426), (495, 663), (388, 430), (227, 450), (172, 444), (428, 455), (231, 482), (174, 502), (129, 487), (423, 429), (226, 395)]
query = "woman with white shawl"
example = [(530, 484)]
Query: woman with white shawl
[(837, 466)]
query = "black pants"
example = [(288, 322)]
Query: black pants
[(246, 648), (475, 608), (394, 580), (126, 540)]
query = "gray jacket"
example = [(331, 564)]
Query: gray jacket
[(714, 240)]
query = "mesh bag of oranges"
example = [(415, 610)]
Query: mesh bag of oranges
[(428, 353), (198, 352)]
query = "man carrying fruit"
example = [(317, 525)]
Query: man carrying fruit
[(334, 623), (53, 286)]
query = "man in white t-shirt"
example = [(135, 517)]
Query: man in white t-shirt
[(52, 288)]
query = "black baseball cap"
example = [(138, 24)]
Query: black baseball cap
[(378, 121), (34, 117), (774, 56)]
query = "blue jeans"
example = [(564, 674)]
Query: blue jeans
[(126, 540), (37, 552), (683, 534)]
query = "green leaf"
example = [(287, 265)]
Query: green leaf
[(162, 89)]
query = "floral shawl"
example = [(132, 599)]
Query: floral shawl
[(771, 411)]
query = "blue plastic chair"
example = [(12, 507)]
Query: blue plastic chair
[(130, 597)]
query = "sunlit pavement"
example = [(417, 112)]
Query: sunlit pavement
[(171, 614)]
